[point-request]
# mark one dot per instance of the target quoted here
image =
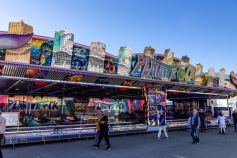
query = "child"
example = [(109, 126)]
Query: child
[(221, 123)]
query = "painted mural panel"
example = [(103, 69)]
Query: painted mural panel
[(21, 55), (222, 77), (3, 102), (168, 57), (119, 110), (137, 66), (96, 57), (110, 65), (80, 58), (62, 49), (125, 60), (34, 73), (73, 78), (233, 78), (41, 52), (156, 100), (211, 77)]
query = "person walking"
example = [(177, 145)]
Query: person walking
[(195, 122), (162, 125), (2, 131), (234, 116), (97, 128), (104, 131), (202, 115), (221, 123)]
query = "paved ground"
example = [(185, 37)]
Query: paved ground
[(179, 145)]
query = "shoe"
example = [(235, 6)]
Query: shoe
[(194, 142), (96, 148), (158, 138), (108, 149), (166, 137)]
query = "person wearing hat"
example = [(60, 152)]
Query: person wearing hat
[(2, 131), (195, 122)]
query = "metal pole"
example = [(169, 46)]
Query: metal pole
[(228, 106)]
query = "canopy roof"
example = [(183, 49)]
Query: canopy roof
[(50, 81)]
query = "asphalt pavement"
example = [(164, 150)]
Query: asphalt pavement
[(179, 145)]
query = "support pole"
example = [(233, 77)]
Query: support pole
[(228, 107)]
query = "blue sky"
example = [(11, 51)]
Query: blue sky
[(205, 30)]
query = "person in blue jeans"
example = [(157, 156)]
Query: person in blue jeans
[(195, 122), (162, 125)]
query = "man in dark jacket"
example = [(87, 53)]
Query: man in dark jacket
[(104, 131), (202, 116), (195, 123), (234, 116)]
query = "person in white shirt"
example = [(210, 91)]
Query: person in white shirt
[(221, 123), (2, 131)]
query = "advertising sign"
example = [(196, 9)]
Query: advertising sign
[(145, 67)]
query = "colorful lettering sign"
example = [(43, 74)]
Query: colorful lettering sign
[(145, 67), (168, 57)]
